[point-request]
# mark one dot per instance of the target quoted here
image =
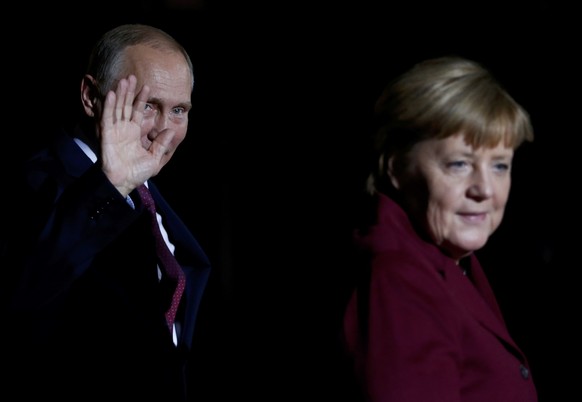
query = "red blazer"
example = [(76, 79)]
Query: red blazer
[(418, 330)]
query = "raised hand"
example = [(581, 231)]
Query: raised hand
[(125, 160)]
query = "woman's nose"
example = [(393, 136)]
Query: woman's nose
[(482, 185)]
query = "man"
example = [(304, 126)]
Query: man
[(87, 298)]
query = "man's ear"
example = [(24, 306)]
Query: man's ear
[(89, 95), (393, 172)]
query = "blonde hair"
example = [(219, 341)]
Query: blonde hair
[(441, 97)]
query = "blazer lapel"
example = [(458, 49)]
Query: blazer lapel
[(477, 297)]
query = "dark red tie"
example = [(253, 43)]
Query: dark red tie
[(166, 258)]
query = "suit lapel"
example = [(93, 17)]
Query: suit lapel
[(72, 156)]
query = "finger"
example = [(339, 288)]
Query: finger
[(108, 110), (120, 93), (139, 104), (129, 98), (161, 143)]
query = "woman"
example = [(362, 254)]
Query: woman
[(423, 324)]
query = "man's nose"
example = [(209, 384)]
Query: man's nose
[(161, 122)]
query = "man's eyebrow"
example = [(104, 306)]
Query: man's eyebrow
[(186, 105)]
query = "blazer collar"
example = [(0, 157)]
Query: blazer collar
[(471, 292), (74, 160), (474, 294)]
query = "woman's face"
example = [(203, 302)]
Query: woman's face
[(456, 192)]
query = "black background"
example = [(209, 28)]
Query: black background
[(267, 175)]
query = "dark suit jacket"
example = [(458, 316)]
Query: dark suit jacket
[(83, 289), (418, 330)]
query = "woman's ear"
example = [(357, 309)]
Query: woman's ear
[(393, 172), (89, 95)]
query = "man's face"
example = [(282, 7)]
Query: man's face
[(169, 78)]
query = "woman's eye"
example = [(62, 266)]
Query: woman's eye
[(502, 167), (457, 164)]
